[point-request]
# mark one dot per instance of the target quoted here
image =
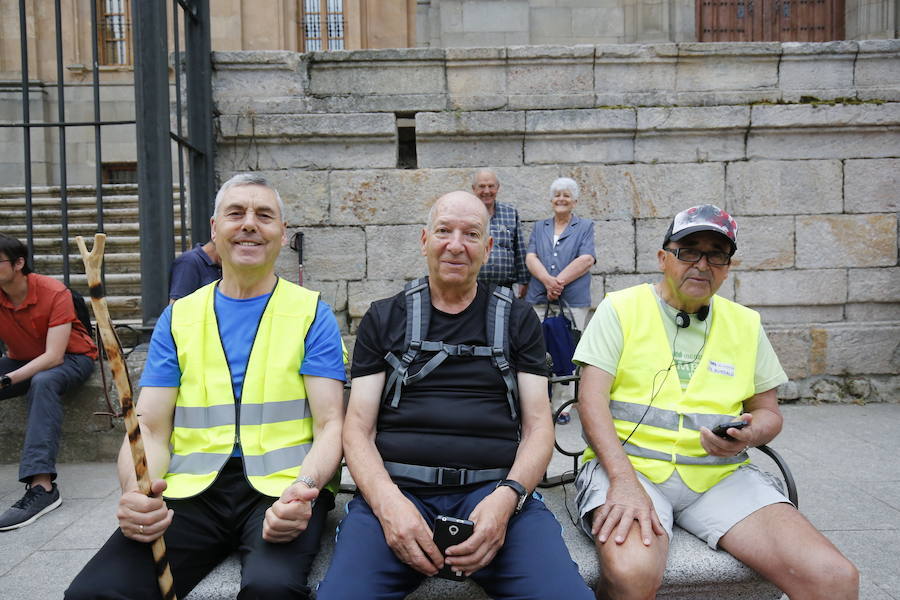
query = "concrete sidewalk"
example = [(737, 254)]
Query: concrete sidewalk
[(842, 457)]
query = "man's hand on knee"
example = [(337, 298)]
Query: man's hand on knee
[(626, 501), (289, 515), (144, 518)]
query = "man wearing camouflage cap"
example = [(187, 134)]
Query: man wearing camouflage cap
[(665, 364)]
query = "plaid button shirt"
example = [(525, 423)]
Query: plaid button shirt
[(506, 264)]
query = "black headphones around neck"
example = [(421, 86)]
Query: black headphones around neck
[(683, 320)]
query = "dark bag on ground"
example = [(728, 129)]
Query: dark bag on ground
[(561, 337)]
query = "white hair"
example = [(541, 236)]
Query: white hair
[(247, 179), (565, 183)]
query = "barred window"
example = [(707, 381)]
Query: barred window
[(114, 32), (322, 25)]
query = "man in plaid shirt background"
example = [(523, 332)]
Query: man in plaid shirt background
[(506, 264)]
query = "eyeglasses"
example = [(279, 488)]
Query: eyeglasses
[(692, 255)]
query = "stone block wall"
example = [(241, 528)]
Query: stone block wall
[(800, 142)]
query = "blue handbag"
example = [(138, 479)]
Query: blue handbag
[(560, 337)]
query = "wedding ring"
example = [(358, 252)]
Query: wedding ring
[(141, 529)]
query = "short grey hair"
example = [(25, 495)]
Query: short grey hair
[(247, 179), (478, 172), (565, 183)]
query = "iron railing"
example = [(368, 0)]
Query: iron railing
[(153, 132), (154, 136)]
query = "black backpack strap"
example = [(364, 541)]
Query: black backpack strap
[(418, 316), (497, 322)]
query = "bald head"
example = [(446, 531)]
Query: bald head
[(455, 242), (458, 200)]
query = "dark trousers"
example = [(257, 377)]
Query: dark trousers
[(44, 394), (533, 564), (205, 530)]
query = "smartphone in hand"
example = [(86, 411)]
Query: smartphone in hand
[(721, 429), (449, 531)]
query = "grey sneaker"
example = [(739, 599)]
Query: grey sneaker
[(36, 502)]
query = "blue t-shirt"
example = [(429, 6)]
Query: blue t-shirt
[(238, 320)]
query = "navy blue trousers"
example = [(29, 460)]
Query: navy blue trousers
[(44, 393), (533, 563)]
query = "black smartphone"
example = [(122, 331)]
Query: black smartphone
[(722, 428), (449, 531)]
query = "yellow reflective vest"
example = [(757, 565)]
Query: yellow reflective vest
[(275, 430), (668, 436)]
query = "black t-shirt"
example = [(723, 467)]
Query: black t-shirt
[(458, 416)]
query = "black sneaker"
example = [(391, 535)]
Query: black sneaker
[(36, 502)]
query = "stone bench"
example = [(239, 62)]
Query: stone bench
[(693, 570)]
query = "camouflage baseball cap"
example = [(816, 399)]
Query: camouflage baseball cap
[(705, 217)]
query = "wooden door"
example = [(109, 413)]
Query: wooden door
[(769, 20)]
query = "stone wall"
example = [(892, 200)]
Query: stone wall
[(800, 142)]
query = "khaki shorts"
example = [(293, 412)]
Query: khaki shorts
[(708, 515)]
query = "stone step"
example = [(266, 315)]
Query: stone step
[(116, 244), (42, 230), (53, 191), (116, 284), (52, 215), (75, 215), (122, 309), (71, 201), (122, 262)]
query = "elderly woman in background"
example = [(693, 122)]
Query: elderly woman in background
[(559, 256)]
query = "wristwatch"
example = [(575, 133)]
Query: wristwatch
[(5, 381), (518, 488)]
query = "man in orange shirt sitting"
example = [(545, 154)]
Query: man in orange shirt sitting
[(48, 352)]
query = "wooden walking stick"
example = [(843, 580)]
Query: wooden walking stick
[(93, 260)]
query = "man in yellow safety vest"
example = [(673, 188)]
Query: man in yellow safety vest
[(663, 366), (241, 410)]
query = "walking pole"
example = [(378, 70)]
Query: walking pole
[(93, 261), (297, 245)]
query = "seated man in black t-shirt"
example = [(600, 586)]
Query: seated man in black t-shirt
[(457, 442)]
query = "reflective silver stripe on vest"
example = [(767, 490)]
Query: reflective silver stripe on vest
[(696, 420), (664, 418), (274, 412), (201, 463), (276, 460), (680, 459), (198, 463), (204, 417), (656, 417)]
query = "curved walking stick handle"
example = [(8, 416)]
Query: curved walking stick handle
[(93, 261)]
